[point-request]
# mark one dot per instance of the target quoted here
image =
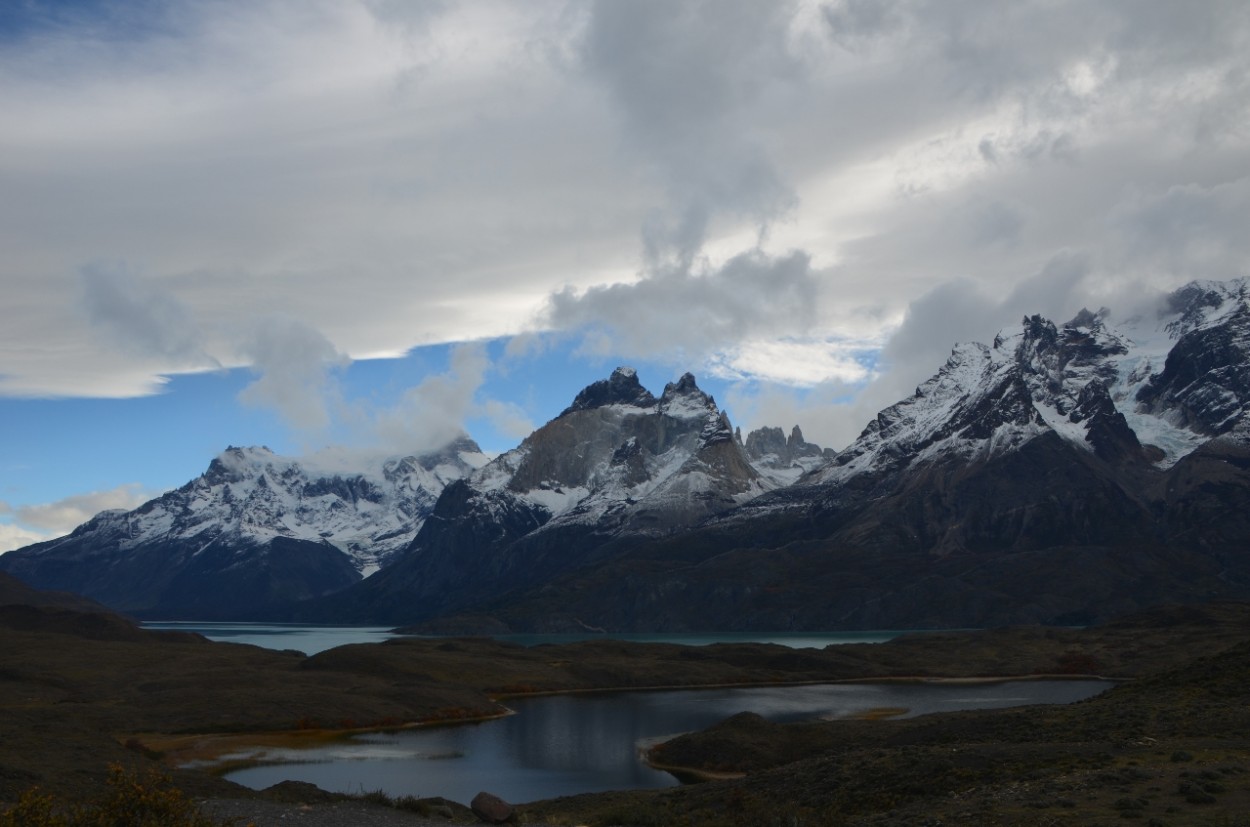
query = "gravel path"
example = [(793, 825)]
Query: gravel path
[(264, 813), (335, 814)]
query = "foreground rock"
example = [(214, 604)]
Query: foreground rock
[(491, 808)]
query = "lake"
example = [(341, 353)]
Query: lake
[(313, 639), (569, 744), (307, 639)]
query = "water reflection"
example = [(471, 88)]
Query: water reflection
[(563, 745)]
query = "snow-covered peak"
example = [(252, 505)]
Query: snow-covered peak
[(1199, 386), (240, 462), (1203, 304), (975, 404), (683, 399), (618, 448), (250, 495), (1059, 362), (1155, 390)]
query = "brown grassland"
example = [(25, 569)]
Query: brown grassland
[(83, 692)]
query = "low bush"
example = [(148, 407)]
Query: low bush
[(132, 799)]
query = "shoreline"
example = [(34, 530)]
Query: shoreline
[(212, 752), (975, 680)]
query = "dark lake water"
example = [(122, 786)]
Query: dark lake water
[(563, 745)]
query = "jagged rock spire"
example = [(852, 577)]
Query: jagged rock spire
[(621, 388)]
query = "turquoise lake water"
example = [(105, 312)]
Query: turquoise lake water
[(313, 639)]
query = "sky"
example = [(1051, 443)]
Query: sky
[(364, 226)]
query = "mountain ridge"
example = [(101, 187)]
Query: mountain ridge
[(1012, 487), (1061, 473), (255, 527)]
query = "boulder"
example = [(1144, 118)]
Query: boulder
[(491, 808)]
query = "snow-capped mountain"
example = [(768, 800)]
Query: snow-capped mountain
[(297, 528), (1061, 473), (783, 459), (620, 456), (1153, 389), (618, 466), (987, 400), (254, 495)]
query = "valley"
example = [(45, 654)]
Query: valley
[(1078, 491), (83, 690)]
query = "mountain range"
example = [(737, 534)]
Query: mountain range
[(1063, 473), (254, 529)]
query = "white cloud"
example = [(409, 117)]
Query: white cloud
[(294, 364), (15, 536), (390, 175), (798, 363), (435, 411), (825, 412), (45, 521)]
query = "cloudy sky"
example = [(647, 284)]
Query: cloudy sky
[(371, 223)]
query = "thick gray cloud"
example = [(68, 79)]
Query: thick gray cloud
[(1190, 228), (389, 175), (142, 318), (692, 315), (689, 81)]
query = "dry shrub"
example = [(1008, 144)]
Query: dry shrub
[(132, 799)]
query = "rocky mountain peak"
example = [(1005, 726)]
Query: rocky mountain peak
[(621, 388), (1058, 362), (1202, 303), (237, 463), (764, 441), (683, 398), (1205, 382), (783, 458), (1086, 318), (616, 438)]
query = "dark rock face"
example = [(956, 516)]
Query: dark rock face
[(461, 557), (1108, 431), (773, 448), (621, 388), (1205, 383)]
